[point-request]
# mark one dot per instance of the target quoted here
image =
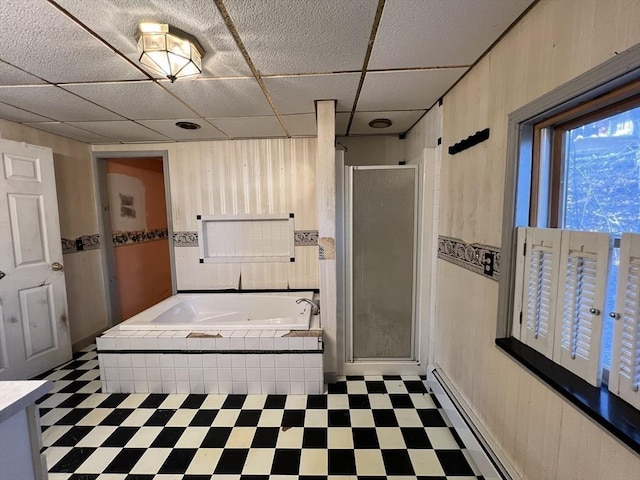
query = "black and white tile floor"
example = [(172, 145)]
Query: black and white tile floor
[(363, 428)]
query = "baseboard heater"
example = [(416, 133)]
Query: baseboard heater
[(493, 465)]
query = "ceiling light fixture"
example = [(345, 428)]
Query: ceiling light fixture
[(380, 123), (169, 51)]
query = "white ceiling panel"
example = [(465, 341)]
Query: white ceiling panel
[(405, 90), (70, 131), (401, 122), (249, 127), (133, 100), (304, 36), (222, 97), (301, 125), (76, 62), (169, 129), (437, 33), (118, 21), (21, 116), (38, 38), (296, 94), (122, 131), (10, 75), (55, 103)]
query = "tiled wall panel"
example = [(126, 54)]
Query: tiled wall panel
[(227, 362)]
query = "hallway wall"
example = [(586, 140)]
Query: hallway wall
[(142, 262)]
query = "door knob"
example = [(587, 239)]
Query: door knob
[(614, 315), (2, 274), (594, 311), (56, 267)]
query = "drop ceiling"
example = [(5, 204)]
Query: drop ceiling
[(70, 66)]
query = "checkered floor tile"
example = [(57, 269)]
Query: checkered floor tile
[(363, 428)]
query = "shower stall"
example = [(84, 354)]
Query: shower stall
[(377, 274)]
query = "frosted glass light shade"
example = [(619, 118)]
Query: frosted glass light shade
[(169, 51)]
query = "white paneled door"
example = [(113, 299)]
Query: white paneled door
[(34, 330)]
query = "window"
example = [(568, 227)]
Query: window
[(585, 179), (569, 307)]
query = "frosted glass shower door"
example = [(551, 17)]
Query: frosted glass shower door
[(381, 259)]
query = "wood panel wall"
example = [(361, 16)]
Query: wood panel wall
[(543, 435), (241, 177)]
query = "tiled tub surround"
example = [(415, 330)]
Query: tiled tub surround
[(211, 362)]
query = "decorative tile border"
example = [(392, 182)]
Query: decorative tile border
[(472, 256), (88, 242), (128, 238), (68, 246), (84, 242), (302, 238), (306, 238), (185, 239)]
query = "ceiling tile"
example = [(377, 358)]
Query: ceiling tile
[(222, 97), (118, 21), (249, 127), (40, 39), (133, 100), (169, 129), (402, 121), (296, 94), (17, 115), (301, 125), (10, 75), (304, 36), (55, 103), (431, 31), (70, 131), (123, 131), (406, 90)]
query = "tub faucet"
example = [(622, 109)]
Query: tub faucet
[(315, 308)]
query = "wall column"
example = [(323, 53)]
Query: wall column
[(326, 200)]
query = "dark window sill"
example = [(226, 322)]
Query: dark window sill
[(614, 414)]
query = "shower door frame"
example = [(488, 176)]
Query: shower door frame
[(347, 364)]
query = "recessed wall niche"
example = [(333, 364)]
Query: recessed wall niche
[(246, 238)]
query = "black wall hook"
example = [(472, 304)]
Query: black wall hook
[(469, 142)]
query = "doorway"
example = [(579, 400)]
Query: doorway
[(136, 225), (380, 258)]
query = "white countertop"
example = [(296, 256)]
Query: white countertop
[(19, 394)]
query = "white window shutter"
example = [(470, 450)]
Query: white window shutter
[(541, 267), (624, 377), (582, 285), (518, 314)]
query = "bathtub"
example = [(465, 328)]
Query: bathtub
[(225, 311)]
